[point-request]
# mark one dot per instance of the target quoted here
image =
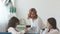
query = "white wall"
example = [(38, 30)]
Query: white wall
[(45, 8)]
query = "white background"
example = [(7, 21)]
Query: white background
[(45, 9)]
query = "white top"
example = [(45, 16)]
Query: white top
[(36, 24), (13, 31), (52, 31)]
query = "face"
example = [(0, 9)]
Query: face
[(33, 14), (17, 23), (49, 26)]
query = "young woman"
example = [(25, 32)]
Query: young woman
[(13, 22), (51, 27), (35, 21)]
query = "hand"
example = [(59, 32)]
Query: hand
[(49, 26), (26, 30)]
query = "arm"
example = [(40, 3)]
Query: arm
[(40, 24), (45, 31)]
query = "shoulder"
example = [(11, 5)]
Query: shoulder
[(11, 29), (52, 31), (39, 18), (55, 31)]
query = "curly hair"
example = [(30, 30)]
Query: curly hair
[(32, 10), (12, 22)]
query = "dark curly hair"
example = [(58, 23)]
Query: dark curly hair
[(12, 22)]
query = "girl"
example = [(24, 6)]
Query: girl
[(13, 22), (35, 21), (51, 27)]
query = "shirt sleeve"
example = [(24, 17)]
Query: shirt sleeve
[(51, 32), (40, 24), (54, 32), (13, 31)]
